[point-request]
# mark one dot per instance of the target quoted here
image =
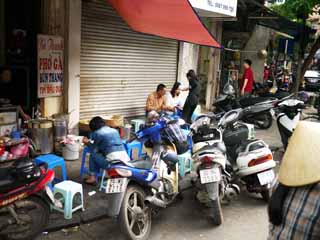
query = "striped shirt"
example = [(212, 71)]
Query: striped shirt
[(301, 215)]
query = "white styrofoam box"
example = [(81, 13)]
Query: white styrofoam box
[(4, 129)]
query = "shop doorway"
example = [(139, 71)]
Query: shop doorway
[(20, 23)]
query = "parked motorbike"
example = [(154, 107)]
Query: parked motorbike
[(249, 159), (24, 200), (287, 114), (137, 187), (209, 155), (267, 90), (284, 79), (257, 108)]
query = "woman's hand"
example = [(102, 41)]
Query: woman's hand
[(185, 89), (85, 140)]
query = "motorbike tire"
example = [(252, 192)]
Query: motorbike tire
[(36, 210), (265, 121), (266, 195), (217, 216), (134, 201)]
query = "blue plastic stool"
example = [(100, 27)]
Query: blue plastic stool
[(185, 163), (194, 116), (53, 162), (137, 123), (83, 168), (103, 184), (189, 138), (133, 145)]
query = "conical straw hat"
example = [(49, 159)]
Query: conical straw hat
[(301, 163)]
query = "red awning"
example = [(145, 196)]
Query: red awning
[(174, 19)]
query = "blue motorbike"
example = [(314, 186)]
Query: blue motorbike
[(135, 188)]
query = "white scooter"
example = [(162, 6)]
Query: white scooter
[(209, 155), (287, 113), (250, 159)]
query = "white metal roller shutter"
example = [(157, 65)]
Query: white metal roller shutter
[(120, 67)]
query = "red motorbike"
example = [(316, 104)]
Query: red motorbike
[(24, 200)]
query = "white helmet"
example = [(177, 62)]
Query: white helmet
[(228, 89)]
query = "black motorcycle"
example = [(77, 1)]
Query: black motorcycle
[(263, 90), (256, 109)]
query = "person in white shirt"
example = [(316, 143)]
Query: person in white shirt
[(173, 98)]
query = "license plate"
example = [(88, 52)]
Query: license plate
[(210, 175), (116, 185), (266, 177)]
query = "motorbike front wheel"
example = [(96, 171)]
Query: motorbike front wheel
[(33, 215), (135, 216), (263, 121)]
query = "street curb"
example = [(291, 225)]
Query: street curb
[(78, 219), (94, 215), (63, 223)]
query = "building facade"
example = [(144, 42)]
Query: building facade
[(109, 68)]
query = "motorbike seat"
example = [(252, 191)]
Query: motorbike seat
[(209, 148), (9, 182), (249, 101), (4, 173), (6, 185), (142, 164)]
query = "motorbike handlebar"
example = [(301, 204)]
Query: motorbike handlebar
[(132, 139)]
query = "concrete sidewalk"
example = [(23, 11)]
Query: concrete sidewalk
[(96, 205)]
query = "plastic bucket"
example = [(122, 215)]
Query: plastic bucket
[(71, 152), (16, 134), (127, 131)]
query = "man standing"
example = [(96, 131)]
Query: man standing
[(156, 100), (247, 79)]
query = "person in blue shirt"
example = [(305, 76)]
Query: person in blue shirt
[(105, 145)]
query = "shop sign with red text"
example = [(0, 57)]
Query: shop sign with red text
[(50, 66)]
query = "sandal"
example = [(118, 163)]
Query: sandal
[(92, 183)]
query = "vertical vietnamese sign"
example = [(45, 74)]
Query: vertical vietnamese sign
[(50, 66)]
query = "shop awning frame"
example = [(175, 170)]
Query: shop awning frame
[(173, 19)]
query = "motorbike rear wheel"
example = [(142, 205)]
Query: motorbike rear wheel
[(33, 214), (217, 216), (135, 217), (266, 195), (264, 120)]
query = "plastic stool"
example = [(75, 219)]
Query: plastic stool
[(103, 184), (53, 162), (189, 138), (137, 123), (83, 169), (70, 194), (185, 163), (133, 145)]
